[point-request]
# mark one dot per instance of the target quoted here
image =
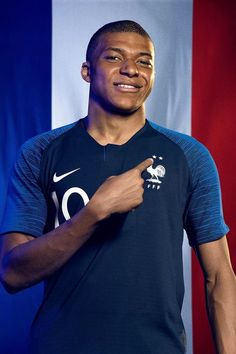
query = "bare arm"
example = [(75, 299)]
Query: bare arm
[(25, 260), (220, 293)]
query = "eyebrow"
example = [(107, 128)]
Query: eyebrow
[(122, 51)]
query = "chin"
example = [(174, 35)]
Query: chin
[(120, 107), (126, 107), (125, 111)]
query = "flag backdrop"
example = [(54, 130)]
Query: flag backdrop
[(42, 47)]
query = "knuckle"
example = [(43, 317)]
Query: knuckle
[(136, 171), (140, 200), (141, 181)]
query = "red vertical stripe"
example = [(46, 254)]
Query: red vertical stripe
[(214, 123)]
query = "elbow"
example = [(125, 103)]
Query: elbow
[(210, 284), (9, 281), (220, 284), (213, 287), (10, 289)]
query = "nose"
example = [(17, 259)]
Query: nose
[(129, 68)]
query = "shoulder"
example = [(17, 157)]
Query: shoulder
[(31, 151), (197, 155), (186, 143), (41, 141)]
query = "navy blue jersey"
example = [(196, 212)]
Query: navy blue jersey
[(122, 291)]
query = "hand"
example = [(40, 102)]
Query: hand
[(120, 194)]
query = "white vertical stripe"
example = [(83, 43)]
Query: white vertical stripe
[(170, 25)]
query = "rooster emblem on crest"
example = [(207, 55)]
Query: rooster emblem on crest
[(156, 172)]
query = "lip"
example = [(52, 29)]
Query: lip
[(127, 86)]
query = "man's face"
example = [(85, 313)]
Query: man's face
[(122, 72)]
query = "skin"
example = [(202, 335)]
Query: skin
[(25, 260), (115, 113), (220, 287)]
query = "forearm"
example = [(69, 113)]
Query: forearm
[(221, 303), (32, 261)]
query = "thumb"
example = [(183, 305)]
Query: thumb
[(144, 165)]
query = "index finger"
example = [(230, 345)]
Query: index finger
[(144, 165)]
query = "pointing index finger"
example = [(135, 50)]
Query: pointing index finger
[(144, 165)]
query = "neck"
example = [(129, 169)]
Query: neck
[(109, 128)]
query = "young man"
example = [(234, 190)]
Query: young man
[(97, 210)]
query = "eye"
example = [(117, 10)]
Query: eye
[(112, 58), (145, 63)]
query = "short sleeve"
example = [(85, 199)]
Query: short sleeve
[(204, 221), (26, 207)]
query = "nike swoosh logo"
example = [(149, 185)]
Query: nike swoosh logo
[(59, 178)]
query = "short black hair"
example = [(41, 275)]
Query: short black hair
[(117, 26)]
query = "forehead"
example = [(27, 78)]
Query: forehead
[(128, 41)]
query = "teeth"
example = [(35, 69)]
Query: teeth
[(126, 86)]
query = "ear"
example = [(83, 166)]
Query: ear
[(85, 71)]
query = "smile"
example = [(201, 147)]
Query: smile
[(127, 87)]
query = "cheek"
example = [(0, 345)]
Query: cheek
[(101, 78), (150, 86), (97, 82), (150, 78)]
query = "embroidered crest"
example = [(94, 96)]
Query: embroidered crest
[(156, 172)]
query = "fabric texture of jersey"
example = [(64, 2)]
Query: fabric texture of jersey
[(122, 291)]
